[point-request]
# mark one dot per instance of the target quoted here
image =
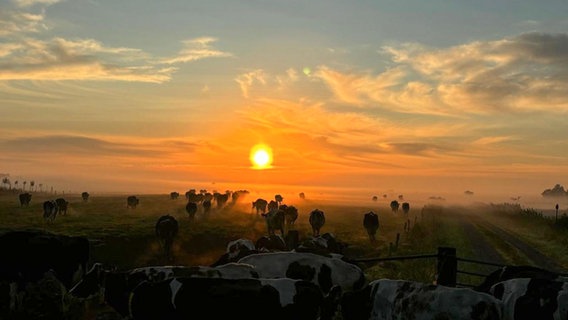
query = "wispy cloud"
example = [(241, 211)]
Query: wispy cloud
[(15, 22), (528, 72), (197, 49), (62, 59), (28, 3)]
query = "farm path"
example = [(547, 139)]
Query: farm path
[(534, 256)]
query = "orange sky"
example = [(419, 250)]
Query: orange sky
[(369, 97)]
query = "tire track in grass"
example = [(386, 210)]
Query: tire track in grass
[(534, 256)]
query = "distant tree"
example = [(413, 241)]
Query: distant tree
[(468, 193), (32, 184), (557, 191)]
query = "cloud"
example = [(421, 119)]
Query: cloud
[(29, 3), (82, 59), (527, 72), (246, 80), (196, 49), (14, 22)]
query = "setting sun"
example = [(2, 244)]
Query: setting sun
[(261, 156)]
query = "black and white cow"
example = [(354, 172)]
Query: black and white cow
[(50, 210), (532, 298), (166, 230), (116, 287), (191, 209), (326, 272), (512, 272), (271, 243), (325, 244), (371, 224), (36, 259), (253, 299), (401, 299), (25, 199), (132, 202), (317, 220), (62, 205), (236, 250)]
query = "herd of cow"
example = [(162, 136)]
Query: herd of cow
[(51, 276), (44, 276)]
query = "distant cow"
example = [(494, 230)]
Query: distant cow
[(166, 230), (317, 220), (260, 205), (274, 221), (174, 195), (290, 215), (272, 205), (85, 196), (405, 207), (62, 205), (191, 209), (206, 206), (117, 286), (50, 210), (326, 272), (25, 199), (526, 298), (132, 202), (27, 259), (252, 299), (400, 299), (371, 224)]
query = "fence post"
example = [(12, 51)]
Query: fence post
[(447, 267)]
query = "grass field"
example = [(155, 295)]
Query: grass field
[(125, 238)]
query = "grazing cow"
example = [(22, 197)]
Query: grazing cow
[(236, 250), (405, 207), (326, 272), (274, 221), (25, 199), (253, 299), (260, 205), (532, 298), (371, 224), (191, 208), (290, 215), (174, 195), (50, 210), (272, 205), (132, 202), (512, 272), (206, 206), (85, 196), (27, 259), (166, 230), (221, 199), (62, 205), (116, 286), (317, 220), (400, 299)]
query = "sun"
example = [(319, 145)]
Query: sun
[(261, 156)]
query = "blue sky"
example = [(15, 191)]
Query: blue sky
[(384, 95)]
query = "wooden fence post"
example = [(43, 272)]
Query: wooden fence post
[(447, 267)]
